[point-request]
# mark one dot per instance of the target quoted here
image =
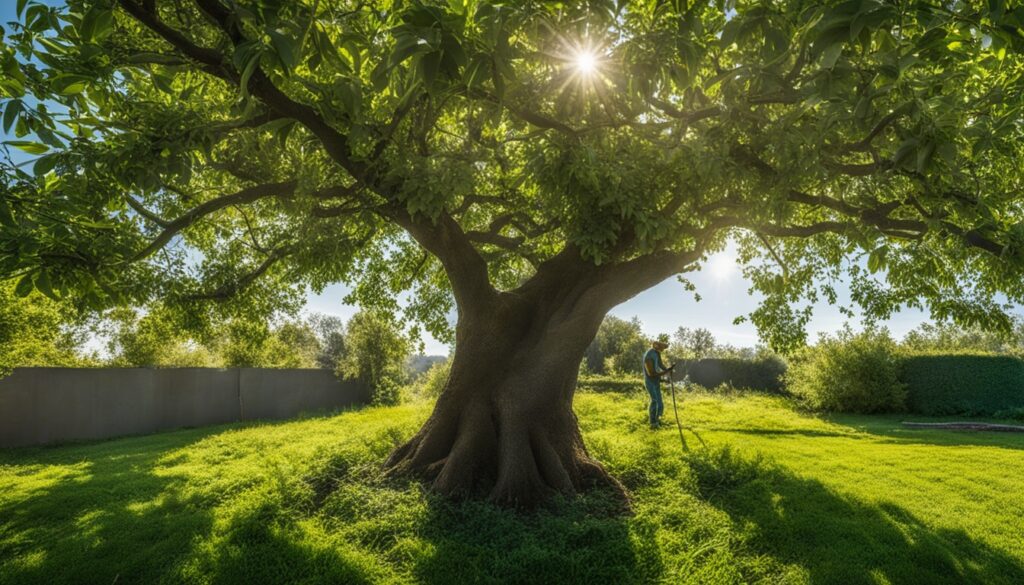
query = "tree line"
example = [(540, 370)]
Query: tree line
[(39, 331)]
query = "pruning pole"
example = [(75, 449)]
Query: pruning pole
[(675, 409)]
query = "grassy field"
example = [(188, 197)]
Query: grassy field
[(776, 496)]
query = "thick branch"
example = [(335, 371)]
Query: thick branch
[(247, 195), (139, 208), (466, 269)]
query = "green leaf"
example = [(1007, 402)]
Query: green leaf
[(924, 155), (250, 68), (11, 113), (28, 146), (70, 84), (24, 286), (284, 46), (20, 7), (876, 259), (163, 83), (96, 24), (45, 164), (831, 55), (405, 46), (44, 285), (908, 147), (429, 66)]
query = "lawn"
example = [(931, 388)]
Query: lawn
[(776, 496)]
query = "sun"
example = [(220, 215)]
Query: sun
[(585, 61), (721, 266)]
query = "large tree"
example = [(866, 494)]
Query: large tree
[(534, 163)]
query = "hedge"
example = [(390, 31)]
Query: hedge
[(965, 384), (761, 374), (624, 384)]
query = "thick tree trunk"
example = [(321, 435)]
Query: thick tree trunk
[(504, 424)]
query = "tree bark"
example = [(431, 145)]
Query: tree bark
[(504, 424)]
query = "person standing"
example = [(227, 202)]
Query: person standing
[(654, 371)]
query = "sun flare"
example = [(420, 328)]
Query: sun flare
[(585, 61)]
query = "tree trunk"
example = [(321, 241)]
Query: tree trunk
[(504, 424)]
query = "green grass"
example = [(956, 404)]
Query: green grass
[(777, 496)]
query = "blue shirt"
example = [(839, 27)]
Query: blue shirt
[(659, 368)]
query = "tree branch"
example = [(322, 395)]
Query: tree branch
[(247, 195), (229, 290), (139, 208), (465, 267)]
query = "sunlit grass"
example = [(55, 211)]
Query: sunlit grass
[(777, 496)]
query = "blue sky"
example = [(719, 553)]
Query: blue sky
[(661, 309)]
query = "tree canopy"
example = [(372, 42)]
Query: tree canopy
[(231, 153)]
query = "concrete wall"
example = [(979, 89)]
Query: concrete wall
[(40, 406)]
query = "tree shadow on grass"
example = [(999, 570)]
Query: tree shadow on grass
[(428, 539), (111, 512), (583, 540), (97, 513), (837, 539)]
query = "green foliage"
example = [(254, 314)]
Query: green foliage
[(763, 374), (38, 331), (692, 344), (158, 339), (431, 383), (626, 384), (778, 497), (152, 340), (617, 348), (330, 331), (965, 384), (185, 157), (950, 338), (849, 372), (376, 352)]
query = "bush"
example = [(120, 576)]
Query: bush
[(849, 373), (431, 383), (965, 383), (764, 374)]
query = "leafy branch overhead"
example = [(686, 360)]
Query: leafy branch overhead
[(240, 151)]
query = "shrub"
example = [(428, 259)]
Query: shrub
[(763, 374), (849, 373), (431, 383), (964, 383)]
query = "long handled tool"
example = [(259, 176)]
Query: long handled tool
[(675, 410), (679, 425)]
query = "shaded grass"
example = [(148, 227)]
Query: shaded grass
[(777, 497)]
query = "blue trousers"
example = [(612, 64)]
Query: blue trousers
[(657, 405)]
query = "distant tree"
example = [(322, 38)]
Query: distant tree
[(294, 344), (617, 346), (376, 353), (150, 339), (37, 331), (696, 343), (952, 337), (330, 330)]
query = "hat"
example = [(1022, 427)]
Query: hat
[(656, 344)]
